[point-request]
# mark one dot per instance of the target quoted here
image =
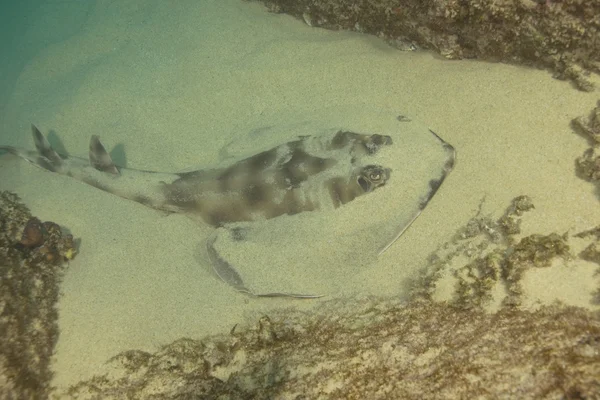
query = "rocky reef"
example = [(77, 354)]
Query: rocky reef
[(560, 35), (375, 349), (378, 348), (32, 263)]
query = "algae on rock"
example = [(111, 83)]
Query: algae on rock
[(559, 35), (589, 163), (374, 349), (32, 256)]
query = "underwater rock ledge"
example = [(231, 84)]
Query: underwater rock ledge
[(376, 350), (379, 348), (32, 263), (558, 35)]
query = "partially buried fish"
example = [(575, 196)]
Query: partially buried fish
[(306, 174)]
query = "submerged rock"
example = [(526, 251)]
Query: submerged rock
[(383, 349), (558, 35), (32, 257)]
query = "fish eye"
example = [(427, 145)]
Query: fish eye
[(375, 176)]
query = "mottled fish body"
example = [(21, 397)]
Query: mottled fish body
[(301, 175), (306, 174), (98, 170)]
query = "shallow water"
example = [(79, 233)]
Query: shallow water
[(172, 85)]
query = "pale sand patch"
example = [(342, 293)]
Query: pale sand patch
[(175, 82)]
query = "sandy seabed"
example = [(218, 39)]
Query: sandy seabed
[(171, 84)]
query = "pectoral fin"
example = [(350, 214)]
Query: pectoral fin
[(229, 275)]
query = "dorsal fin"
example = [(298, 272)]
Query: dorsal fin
[(99, 157), (43, 147)]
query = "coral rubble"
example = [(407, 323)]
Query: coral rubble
[(559, 35), (32, 256)]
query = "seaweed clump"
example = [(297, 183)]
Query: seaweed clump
[(592, 253), (32, 259), (588, 164), (488, 258), (486, 253), (477, 279)]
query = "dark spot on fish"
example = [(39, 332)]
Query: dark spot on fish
[(262, 160), (255, 194), (318, 164), (221, 217), (434, 185), (450, 163), (289, 178), (230, 174), (238, 234), (179, 197), (300, 166), (143, 200), (369, 144), (294, 206), (337, 191), (380, 140), (214, 219), (341, 139)]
